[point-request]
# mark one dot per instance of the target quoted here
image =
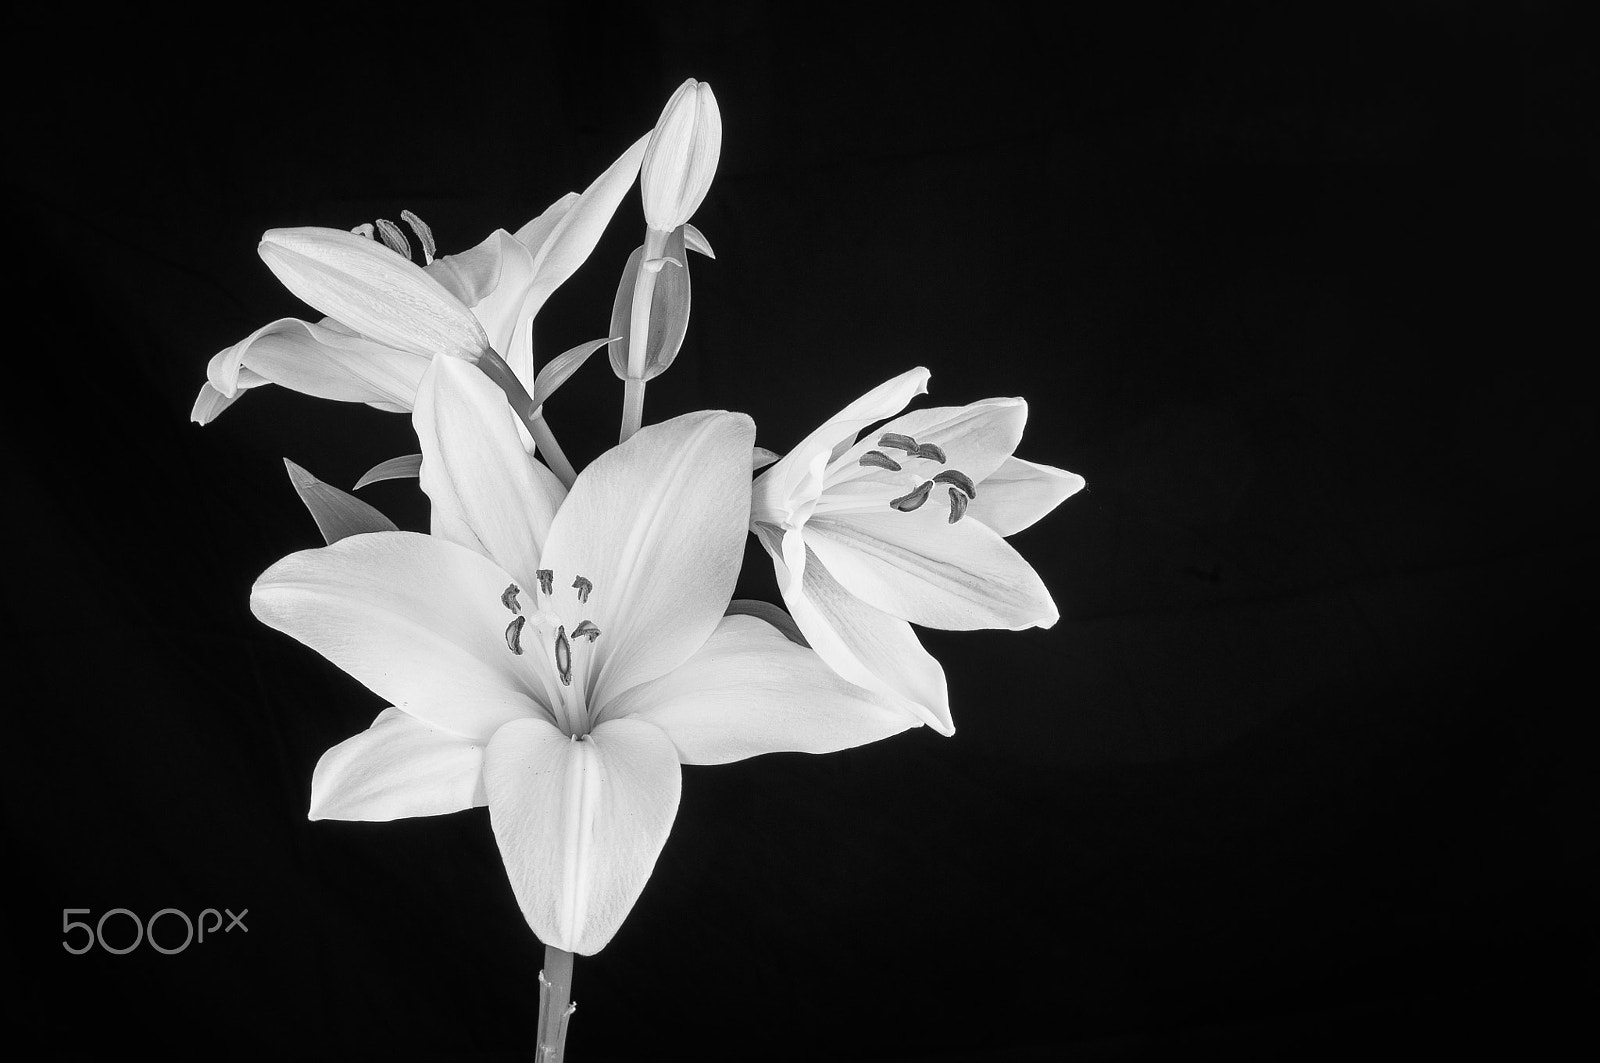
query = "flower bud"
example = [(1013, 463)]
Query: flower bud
[(682, 156), (367, 287)]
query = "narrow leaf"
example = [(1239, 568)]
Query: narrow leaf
[(405, 467), (558, 369), (337, 513)]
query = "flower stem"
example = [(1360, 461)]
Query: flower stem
[(555, 1004), (554, 456), (496, 369), (632, 408)]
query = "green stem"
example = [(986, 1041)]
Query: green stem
[(632, 408), (555, 1004), (496, 369)]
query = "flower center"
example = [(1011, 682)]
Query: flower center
[(962, 489), (552, 632)]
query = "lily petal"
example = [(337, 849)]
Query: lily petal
[(749, 691), (574, 236), (491, 279), (533, 234), (211, 402), (374, 291), (657, 525), (976, 438), (398, 768), (580, 822), (866, 646), (338, 514), (920, 568), (488, 493), (415, 618), (792, 480), (1017, 494), (320, 360)]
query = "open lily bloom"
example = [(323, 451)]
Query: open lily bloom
[(905, 527), (504, 281), (556, 658)]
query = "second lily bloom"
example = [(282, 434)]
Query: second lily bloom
[(906, 526)]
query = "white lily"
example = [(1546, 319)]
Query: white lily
[(558, 664), (906, 527), (355, 355), (682, 157)]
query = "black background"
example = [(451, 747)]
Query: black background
[(1299, 772)]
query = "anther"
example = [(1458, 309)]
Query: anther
[(898, 442), (365, 229), (508, 598), (564, 656), (958, 505), (929, 450), (547, 581), (959, 479), (583, 587), (514, 634), (393, 238), (877, 459), (424, 234), (586, 630), (908, 502)]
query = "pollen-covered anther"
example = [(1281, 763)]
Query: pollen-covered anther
[(564, 656), (958, 505), (547, 580), (898, 442), (508, 598), (393, 238), (586, 630), (929, 450), (956, 478), (514, 634), (424, 234), (583, 587), (877, 459), (914, 499)]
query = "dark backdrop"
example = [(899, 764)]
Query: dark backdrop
[(1297, 774)]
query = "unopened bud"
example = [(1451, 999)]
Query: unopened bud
[(681, 157)]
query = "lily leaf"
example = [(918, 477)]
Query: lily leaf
[(558, 369), (669, 310), (338, 514), (405, 467)]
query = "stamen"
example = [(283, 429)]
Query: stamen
[(898, 442), (564, 656), (365, 229), (393, 238), (424, 234), (508, 598), (908, 502), (547, 581), (586, 630), (877, 459), (958, 505), (958, 479), (514, 635), (929, 450), (583, 587)]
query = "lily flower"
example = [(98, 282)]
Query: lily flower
[(906, 526), (558, 664), (377, 359)]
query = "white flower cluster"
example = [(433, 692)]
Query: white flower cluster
[(560, 642)]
